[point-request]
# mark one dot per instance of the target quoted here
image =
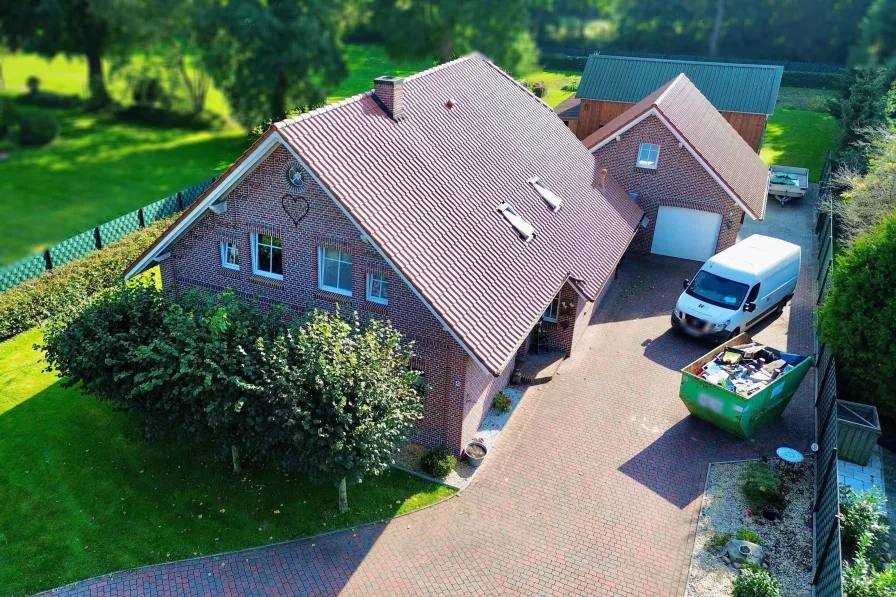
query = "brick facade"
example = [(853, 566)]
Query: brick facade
[(461, 390), (678, 181)]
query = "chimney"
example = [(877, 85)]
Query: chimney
[(389, 93), (603, 177)]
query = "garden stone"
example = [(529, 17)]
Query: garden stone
[(741, 552)]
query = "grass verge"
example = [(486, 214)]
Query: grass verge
[(82, 493), (799, 138)]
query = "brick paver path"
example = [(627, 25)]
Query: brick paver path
[(593, 489)]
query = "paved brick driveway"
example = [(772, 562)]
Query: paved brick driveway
[(593, 489)]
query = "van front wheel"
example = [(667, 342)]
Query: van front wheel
[(733, 334)]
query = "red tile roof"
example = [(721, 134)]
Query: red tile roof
[(694, 119), (426, 191)]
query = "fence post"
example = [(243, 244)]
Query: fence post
[(140, 217), (180, 201), (48, 260), (97, 238)]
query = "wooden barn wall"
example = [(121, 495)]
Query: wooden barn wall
[(594, 114)]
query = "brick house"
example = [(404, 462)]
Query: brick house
[(744, 94), (688, 169), (471, 232)]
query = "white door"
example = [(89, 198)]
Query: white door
[(686, 233)]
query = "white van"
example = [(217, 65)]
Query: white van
[(737, 288)]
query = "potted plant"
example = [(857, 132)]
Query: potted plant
[(475, 452)]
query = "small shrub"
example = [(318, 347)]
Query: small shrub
[(761, 486), (539, 88), (861, 519), (33, 85), (438, 463), (9, 116), (861, 579), (571, 86), (748, 535), (755, 582), (163, 118), (67, 288), (718, 541), (525, 83), (501, 402), (37, 129)]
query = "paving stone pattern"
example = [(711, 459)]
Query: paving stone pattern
[(593, 488)]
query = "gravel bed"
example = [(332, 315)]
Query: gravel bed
[(409, 456), (787, 542)]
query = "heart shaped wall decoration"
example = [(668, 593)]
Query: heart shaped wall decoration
[(295, 207)]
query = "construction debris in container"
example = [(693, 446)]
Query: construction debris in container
[(746, 369)]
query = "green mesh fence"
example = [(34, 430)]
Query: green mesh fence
[(119, 227), (191, 194), (78, 246), (22, 271), (73, 248), (160, 210)]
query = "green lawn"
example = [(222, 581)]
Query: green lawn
[(799, 138), (82, 494), (97, 170)]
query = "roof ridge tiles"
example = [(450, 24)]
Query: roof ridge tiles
[(280, 124)]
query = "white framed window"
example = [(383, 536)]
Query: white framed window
[(334, 271), (230, 255), (267, 256), (550, 314), (648, 155), (378, 288)]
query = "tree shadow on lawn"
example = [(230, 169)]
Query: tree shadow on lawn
[(82, 494)]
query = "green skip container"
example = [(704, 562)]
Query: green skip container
[(741, 415)]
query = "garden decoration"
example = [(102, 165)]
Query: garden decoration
[(296, 208)]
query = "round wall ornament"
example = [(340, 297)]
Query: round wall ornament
[(295, 175)]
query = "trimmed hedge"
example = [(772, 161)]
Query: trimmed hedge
[(68, 287), (37, 128), (563, 62), (813, 80)]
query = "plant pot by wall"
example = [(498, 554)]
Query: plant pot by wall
[(476, 453)]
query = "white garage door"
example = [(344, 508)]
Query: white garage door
[(686, 233)]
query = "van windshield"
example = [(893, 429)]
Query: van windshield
[(717, 291)]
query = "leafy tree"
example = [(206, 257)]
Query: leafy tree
[(857, 316), (446, 29), (268, 56), (103, 349), (210, 345), (866, 199), (89, 28), (862, 109), (354, 399), (877, 43)]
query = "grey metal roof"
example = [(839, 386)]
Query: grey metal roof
[(751, 88)]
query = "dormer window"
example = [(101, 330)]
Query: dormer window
[(522, 227), (648, 156), (547, 194)]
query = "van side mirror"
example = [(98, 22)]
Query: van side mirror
[(749, 307), (686, 283)]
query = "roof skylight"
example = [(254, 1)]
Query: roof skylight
[(547, 194), (522, 227)]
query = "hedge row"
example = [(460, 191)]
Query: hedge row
[(813, 80), (70, 286)]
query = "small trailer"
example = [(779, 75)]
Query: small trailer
[(742, 385), (787, 182)]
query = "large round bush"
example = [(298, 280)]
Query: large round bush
[(756, 582), (858, 316), (37, 128)]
